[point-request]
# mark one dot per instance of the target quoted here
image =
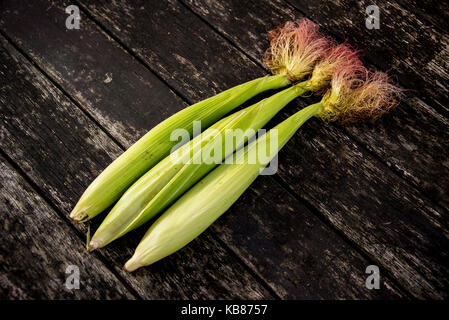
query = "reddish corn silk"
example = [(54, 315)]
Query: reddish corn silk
[(374, 98), (339, 57), (357, 94), (295, 48)]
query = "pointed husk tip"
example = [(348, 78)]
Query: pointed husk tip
[(132, 264), (93, 245), (78, 215)]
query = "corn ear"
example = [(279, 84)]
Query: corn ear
[(171, 177), (156, 144), (212, 196)]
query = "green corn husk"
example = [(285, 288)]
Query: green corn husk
[(156, 144), (294, 50), (213, 195), (171, 177)]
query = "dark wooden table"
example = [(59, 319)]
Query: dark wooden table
[(344, 198)]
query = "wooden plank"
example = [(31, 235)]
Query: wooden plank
[(371, 206), (294, 251), (413, 139), (415, 52), (434, 12), (37, 247), (61, 151), (176, 45), (404, 265), (288, 277)]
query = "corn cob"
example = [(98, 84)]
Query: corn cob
[(212, 196), (169, 179), (294, 49)]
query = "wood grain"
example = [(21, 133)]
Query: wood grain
[(61, 151), (371, 206), (294, 251), (434, 12), (116, 105), (175, 44), (37, 247)]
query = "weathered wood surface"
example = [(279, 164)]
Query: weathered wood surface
[(61, 150), (317, 248), (339, 258), (293, 250), (90, 71), (373, 208), (37, 246), (176, 45), (433, 11)]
